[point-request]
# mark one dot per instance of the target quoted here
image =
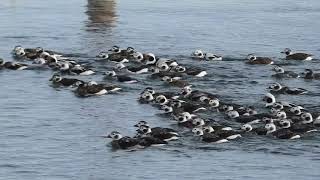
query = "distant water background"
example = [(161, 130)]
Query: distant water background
[(48, 133)]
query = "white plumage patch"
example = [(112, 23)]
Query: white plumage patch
[(309, 58), (202, 74), (222, 141), (22, 68), (295, 137), (157, 145), (234, 136), (131, 82), (87, 73), (124, 61), (115, 89), (172, 138), (144, 70), (102, 92), (227, 129)]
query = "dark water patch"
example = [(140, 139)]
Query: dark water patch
[(14, 166)]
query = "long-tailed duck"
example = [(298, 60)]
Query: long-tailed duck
[(283, 133), (309, 74), (281, 73), (208, 137), (277, 88), (57, 79), (145, 130), (14, 66), (296, 56), (121, 78), (252, 59)]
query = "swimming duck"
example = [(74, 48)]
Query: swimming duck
[(157, 129), (197, 72), (259, 130), (233, 114), (121, 78), (296, 56), (18, 52), (277, 88), (146, 141), (177, 82), (92, 88), (32, 53), (147, 59), (184, 106), (281, 73), (309, 74), (120, 142), (252, 59), (185, 119), (80, 70), (1, 63), (212, 57), (198, 54), (228, 134), (14, 65), (195, 95), (161, 134), (134, 70), (283, 133), (146, 97), (208, 137), (112, 57), (297, 127), (269, 99), (57, 79), (156, 73)]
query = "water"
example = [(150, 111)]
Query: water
[(48, 133)]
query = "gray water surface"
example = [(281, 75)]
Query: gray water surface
[(48, 133)]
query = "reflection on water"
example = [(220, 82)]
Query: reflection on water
[(101, 14), (102, 18)]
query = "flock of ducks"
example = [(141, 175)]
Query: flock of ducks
[(191, 109)]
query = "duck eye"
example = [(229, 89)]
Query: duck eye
[(206, 130), (116, 136), (252, 58), (163, 67), (307, 118), (151, 58), (198, 132), (180, 119), (269, 100)]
